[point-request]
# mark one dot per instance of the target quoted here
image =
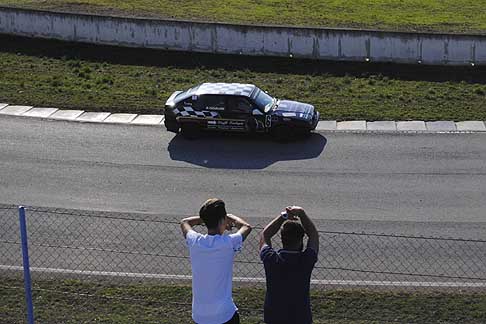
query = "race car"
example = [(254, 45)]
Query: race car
[(237, 107)]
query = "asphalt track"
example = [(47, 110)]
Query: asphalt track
[(408, 184), (399, 178)]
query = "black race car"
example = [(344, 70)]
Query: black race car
[(236, 107)]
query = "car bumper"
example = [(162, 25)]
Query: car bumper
[(315, 120), (171, 123)]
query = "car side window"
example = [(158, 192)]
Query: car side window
[(212, 103), (239, 105)]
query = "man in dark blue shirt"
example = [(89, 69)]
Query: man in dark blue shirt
[(288, 270)]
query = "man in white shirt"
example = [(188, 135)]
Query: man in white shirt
[(212, 258)]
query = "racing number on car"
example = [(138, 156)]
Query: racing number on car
[(268, 121)]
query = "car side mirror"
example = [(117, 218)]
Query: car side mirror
[(256, 112)]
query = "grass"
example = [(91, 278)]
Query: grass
[(65, 75), (73, 301), (408, 15)]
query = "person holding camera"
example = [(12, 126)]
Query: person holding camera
[(212, 258), (288, 271)]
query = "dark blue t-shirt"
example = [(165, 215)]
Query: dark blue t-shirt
[(288, 281)]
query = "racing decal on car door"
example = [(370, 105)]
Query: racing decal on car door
[(188, 111), (260, 125)]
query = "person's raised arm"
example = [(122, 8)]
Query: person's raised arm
[(188, 223), (308, 225), (270, 230), (244, 228)]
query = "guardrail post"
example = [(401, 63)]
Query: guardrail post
[(25, 258)]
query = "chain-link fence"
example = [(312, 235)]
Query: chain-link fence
[(123, 248)]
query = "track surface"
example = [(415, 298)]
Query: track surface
[(393, 178), (415, 184)]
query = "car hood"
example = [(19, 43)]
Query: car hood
[(294, 109)]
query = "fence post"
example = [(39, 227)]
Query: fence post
[(25, 258)]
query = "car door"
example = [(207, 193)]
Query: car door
[(211, 108), (240, 111)]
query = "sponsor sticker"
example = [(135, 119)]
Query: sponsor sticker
[(215, 108), (226, 124)]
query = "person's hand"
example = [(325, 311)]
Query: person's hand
[(288, 216), (230, 222), (294, 212)]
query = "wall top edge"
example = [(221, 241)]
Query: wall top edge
[(4, 8)]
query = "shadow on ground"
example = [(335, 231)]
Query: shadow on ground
[(243, 152)]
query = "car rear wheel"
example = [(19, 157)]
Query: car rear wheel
[(190, 131)]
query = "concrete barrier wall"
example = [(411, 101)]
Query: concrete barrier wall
[(302, 42)]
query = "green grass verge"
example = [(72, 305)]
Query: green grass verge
[(64, 75), (409, 15), (72, 301)]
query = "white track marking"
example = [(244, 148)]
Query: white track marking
[(441, 284)]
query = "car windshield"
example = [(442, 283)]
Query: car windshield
[(264, 101)]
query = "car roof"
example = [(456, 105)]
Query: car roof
[(235, 89)]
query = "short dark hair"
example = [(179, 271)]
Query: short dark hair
[(212, 211), (292, 234)]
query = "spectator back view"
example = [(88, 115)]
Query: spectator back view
[(288, 270), (212, 262)]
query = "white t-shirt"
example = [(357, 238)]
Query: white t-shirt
[(212, 275)]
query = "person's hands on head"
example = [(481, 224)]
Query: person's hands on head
[(309, 227), (244, 228), (288, 216), (294, 212)]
